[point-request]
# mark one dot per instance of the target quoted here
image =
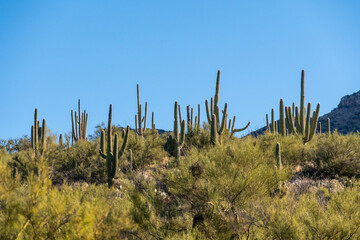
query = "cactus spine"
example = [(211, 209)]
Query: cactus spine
[(38, 135), (214, 110), (139, 119), (80, 126), (112, 153)]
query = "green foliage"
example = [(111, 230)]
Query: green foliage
[(36, 210), (217, 186), (80, 163), (248, 188), (335, 155), (230, 191)]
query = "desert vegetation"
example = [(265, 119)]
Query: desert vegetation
[(197, 182)]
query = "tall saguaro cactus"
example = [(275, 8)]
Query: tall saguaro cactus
[(112, 153), (282, 126), (139, 119), (214, 110), (305, 123), (298, 121), (177, 142), (80, 126), (38, 135)]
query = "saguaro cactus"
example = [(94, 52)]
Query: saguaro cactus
[(328, 131), (214, 110), (177, 142), (267, 124), (112, 153), (139, 119), (80, 126), (282, 126), (298, 122), (214, 136), (38, 134), (234, 130), (152, 122), (60, 140), (193, 125)]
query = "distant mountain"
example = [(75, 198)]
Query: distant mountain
[(345, 117)]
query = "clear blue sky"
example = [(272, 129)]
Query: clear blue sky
[(54, 52)]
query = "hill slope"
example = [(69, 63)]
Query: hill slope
[(346, 116)]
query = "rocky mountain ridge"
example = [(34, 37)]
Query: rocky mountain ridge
[(346, 116)]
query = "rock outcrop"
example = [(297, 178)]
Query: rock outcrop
[(346, 117)]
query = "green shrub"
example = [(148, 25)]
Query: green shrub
[(336, 155)]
